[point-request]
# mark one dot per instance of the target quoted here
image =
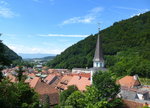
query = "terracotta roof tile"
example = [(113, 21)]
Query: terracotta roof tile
[(12, 78), (64, 82), (32, 75), (44, 89), (33, 82), (49, 78), (128, 81), (80, 82), (87, 75)]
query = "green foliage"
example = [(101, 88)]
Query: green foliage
[(105, 84), (3, 59), (131, 63), (7, 55), (102, 94), (46, 103), (127, 35), (10, 54), (66, 93), (76, 99), (20, 71), (17, 95), (23, 63), (145, 81), (146, 107)]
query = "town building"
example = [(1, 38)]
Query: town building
[(98, 60), (133, 93)]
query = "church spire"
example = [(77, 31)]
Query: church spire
[(98, 61)]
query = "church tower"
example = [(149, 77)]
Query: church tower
[(98, 61)]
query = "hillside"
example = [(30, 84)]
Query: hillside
[(129, 37), (7, 55), (10, 54)]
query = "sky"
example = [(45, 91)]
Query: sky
[(51, 26)]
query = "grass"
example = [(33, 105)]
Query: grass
[(145, 81)]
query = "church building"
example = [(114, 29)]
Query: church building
[(98, 60)]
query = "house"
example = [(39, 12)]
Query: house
[(63, 83), (133, 93), (80, 82), (129, 81), (45, 90), (50, 78), (87, 75), (12, 78), (34, 81), (81, 70)]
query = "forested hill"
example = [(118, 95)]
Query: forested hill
[(7, 55), (126, 37), (11, 54)]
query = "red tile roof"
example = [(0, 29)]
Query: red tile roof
[(44, 89), (128, 81), (49, 78), (12, 78), (34, 81), (28, 80), (31, 75), (87, 75), (64, 82), (80, 82)]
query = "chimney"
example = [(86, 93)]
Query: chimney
[(135, 77), (79, 77)]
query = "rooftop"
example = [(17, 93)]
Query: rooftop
[(129, 81)]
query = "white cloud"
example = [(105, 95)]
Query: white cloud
[(62, 35), (32, 50), (137, 11), (2, 2), (89, 18), (79, 20), (5, 11)]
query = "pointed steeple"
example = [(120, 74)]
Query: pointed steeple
[(98, 60)]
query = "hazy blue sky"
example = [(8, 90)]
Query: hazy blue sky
[(50, 26)]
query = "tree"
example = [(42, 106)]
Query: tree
[(46, 104), (4, 61), (102, 94), (131, 63), (20, 73), (131, 34), (76, 100), (66, 93), (17, 95), (106, 85)]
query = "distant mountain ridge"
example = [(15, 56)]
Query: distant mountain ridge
[(127, 35), (36, 55)]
